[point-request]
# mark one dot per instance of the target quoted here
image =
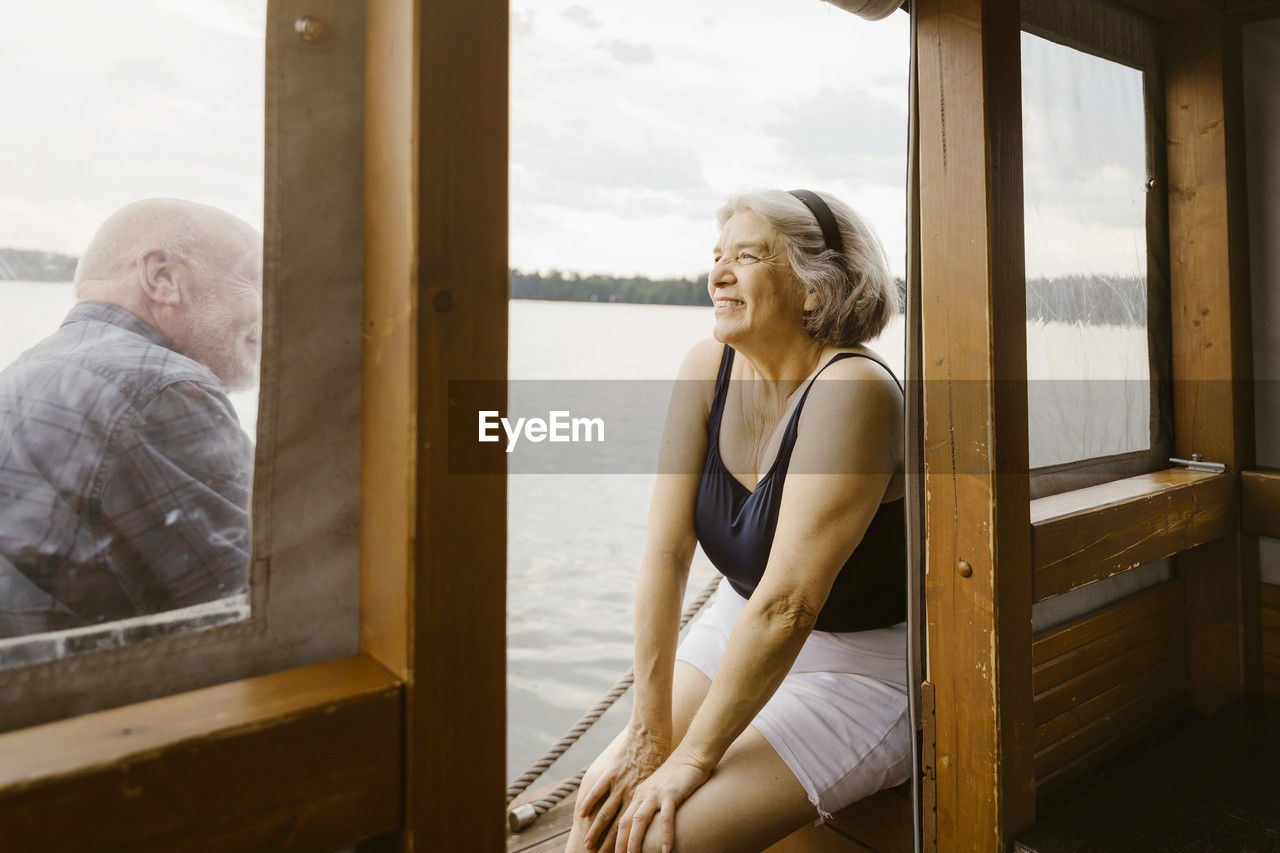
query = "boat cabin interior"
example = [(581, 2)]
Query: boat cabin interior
[(1095, 629)]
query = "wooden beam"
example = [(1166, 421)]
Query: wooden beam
[(456, 700), (433, 591), (1260, 501), (389, 404), (1094, 533), (1212, 350), (975, 419), (308, 758)]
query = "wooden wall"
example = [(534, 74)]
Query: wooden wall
[(1271, 639), (1104, 680)]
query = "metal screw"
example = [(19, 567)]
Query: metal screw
[(309, 29), (1151, 184), (965, 569)]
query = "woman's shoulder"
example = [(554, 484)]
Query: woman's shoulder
[(869, 365), (849, 386), (702, 361), (856, 400)]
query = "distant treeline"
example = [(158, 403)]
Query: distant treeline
[(1072, 299), (1092, 300), (571, 287), (28, 265)]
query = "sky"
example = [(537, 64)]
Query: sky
[(1084, 163), (630, 121), (630, 124), (104, 102)]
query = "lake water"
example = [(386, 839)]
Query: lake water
[(575, 540)]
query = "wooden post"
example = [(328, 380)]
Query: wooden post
[(433, 544), (1212, 352), (973, 310)]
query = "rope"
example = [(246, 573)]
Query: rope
[(529, 812)]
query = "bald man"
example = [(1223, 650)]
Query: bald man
[(124, 471)]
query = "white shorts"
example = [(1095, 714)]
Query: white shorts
[(840, 719)]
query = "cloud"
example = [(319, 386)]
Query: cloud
[(1084, 155), (569, 160), (630, 53), (242, 19), (583, 16), (844, 134), (522, 23)]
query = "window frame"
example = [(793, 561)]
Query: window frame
[(1128, 38), (432, 571), (313, 115)]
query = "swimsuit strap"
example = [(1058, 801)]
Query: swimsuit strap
[(721, 394), (793, 426), (788, 439)]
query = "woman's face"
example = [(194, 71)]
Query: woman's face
[(751, 284)]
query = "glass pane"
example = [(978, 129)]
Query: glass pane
[(630, 125), (130, 318), (1084, 156)]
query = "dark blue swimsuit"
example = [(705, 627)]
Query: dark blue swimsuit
[(735, 527)]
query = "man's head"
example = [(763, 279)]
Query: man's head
[(192, 271)]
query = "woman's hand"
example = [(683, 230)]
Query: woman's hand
[(659, 796), (611, 779)]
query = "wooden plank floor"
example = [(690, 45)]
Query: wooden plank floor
[(551, 830), (1213, 787)]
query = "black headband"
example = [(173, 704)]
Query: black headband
[(826, 219)]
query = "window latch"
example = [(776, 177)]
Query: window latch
[(1197, 463)]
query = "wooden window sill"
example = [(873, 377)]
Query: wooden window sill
[(308, 757), (1084, 536)]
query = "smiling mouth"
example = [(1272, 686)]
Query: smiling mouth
[(728, 304)]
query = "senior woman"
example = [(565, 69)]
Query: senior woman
[(787, 699)]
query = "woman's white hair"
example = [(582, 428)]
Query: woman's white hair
[(855, 290)]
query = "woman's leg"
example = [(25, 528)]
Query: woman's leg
[(688, 688), (751, 801)]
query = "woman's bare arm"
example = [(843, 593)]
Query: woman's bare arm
[(671, 539), (847, 450), (664, 571)]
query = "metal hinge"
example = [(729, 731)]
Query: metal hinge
[(1197, 463), (928, 771)]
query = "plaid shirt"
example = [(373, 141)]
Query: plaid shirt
[(124, 478)]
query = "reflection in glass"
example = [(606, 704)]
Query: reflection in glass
[(129, 330), (1084, 156)]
